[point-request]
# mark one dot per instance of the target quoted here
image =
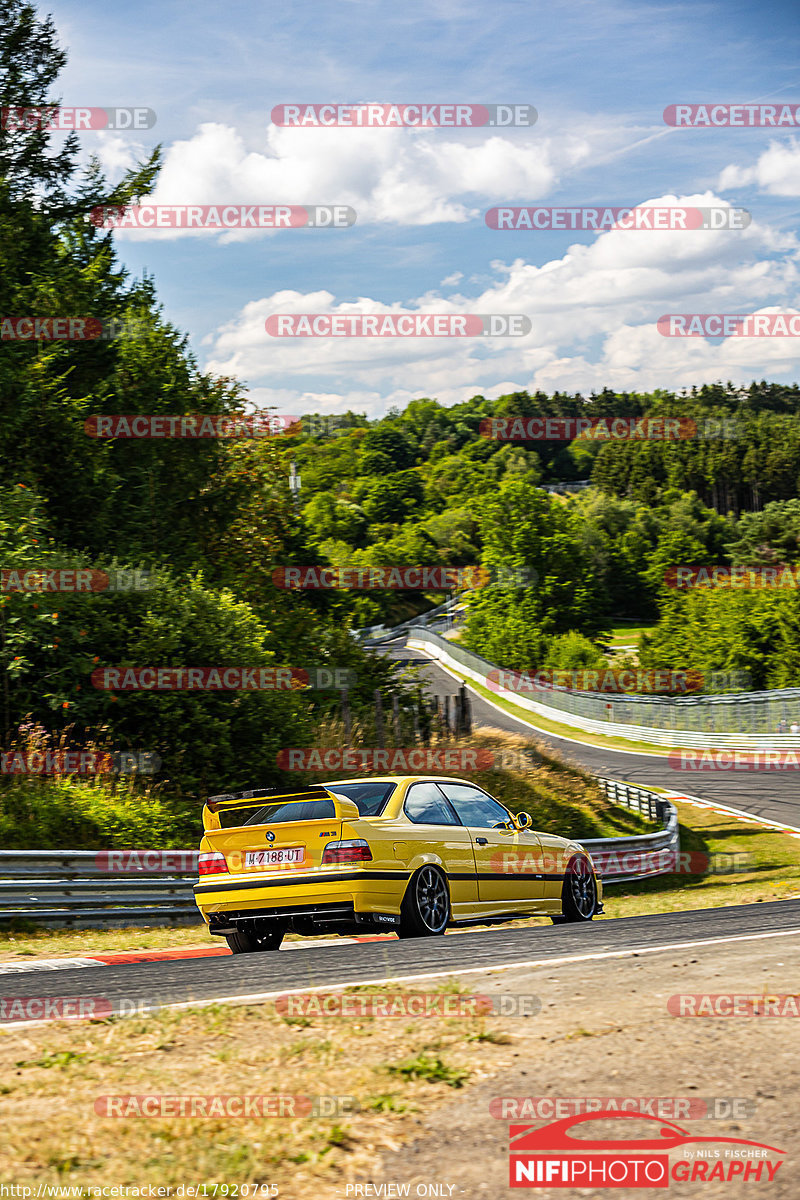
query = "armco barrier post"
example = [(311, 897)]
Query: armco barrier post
[(380, 732), (466, 710)]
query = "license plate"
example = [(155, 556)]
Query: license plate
[(274, 858)]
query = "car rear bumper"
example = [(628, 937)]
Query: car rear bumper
[(359, 890)]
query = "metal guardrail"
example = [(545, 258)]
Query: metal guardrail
[(623, 860), (746, 720), (72, 888), (376, 634)]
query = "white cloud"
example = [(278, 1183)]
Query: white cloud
[(594, 314), (402, 177), (116, 152), (776, 172)]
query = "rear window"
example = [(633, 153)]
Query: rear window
[(369, 797), (276, 814)]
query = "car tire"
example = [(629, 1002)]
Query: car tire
[(425, 910), (250, 941), (578, 895)]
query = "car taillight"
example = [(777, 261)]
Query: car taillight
[(212, 863), (356, 850)]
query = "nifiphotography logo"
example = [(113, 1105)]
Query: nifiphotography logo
[(564, 1154)]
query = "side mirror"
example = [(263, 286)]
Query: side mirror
[(523, 820)]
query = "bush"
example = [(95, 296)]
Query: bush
[(208, 741), (81, 814)]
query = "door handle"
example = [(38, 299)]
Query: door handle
[(482, 841)]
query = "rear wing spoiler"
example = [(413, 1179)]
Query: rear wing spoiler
[(229, 802)]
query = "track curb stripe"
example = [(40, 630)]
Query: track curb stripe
[(633, 952), (156, 956)]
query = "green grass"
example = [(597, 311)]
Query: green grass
[(62, 1059), (93, 814), (774, 873), (75, 943), (431, 1068), (387, 1102), (628, 635)]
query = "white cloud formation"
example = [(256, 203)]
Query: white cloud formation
[(116, 152), (777, 171), (594, 314), (402, 177)]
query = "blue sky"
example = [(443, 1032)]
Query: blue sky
[(599, 74)]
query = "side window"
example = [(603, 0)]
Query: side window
[(425, 805), (474, 807)]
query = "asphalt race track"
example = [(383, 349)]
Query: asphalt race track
[(774, 795), (140, 987), (134, 986)]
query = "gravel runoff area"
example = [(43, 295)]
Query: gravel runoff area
[(605, 1030)]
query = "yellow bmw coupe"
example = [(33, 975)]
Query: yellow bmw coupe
[(411, 853)]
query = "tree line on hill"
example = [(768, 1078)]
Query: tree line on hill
[(208, 522)]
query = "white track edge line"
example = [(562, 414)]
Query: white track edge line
[(738, 812), (261, 997), (48, 964)]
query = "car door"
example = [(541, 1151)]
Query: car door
[(507, 859), (432, 824), (555, 858)]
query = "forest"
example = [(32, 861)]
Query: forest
[(188, 533)]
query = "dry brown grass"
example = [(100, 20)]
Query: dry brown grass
[(52, 1076)]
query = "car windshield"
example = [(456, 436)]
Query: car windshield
[(369, 797)]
